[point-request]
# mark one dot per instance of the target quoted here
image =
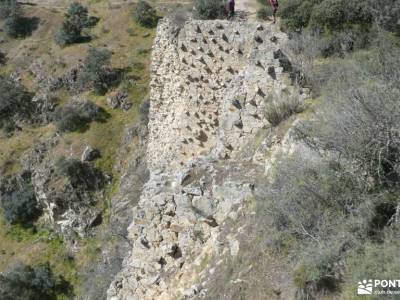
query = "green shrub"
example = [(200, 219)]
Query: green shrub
[(76, 19), (360, 115), (27, 283), (97, 72), (374, 261), (16, 24), (340, 14), (387, 14), (280, 108), (6, 7), (21, 206), (15, 104), (77, 116), (296, 14), (145, 14), (208, 9), (3, 59), (81, 175)]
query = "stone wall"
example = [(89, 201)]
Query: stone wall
[(210, 82)]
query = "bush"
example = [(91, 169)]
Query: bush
[(360, 115), (16, 24), (340, 14), (81, 175), (15, 104), (21, 206), (145, 14), (76, 19), (326, 209), (208, 9), (77, 116), (296, 14), (374, 261), (3, 59), (6, 7), (280, 108), (98, 73), (387, 14), (27, 283)]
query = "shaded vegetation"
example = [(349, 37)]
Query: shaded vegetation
[(145, 15), (31, 283), (78, 116), (208, 9), (76, 20), (15, 104), (97, 72)]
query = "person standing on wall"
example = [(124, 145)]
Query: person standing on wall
[(274, 4), (231, 8)]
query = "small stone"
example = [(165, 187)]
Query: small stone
[(260, 27)]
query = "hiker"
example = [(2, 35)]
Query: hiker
[(274, 4), (231, 8)]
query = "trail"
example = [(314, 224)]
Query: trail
[(247, 9)]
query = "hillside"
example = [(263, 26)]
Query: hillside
[(163, 150)]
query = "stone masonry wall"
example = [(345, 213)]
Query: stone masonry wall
[(209, 85)]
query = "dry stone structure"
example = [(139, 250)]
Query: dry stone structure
[(210, 82)]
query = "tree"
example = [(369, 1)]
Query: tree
[(32, 283), (81, 175), (145, 14), (77, 116), (98, 72), (15, 104), (20, 206), (76, 19)]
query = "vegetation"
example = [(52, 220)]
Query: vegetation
[(76, 20), (77, 116), (280, 108), (3, 58), (145, 14), (20, 206), (15, 104), (331, 214), (16, 24), (81, 175), (98, 73), (208, 9), (31, 283)]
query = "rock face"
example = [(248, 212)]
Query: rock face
[(210, 81)]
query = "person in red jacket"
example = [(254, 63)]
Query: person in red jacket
[(274, 4)]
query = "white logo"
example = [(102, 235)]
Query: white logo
[(365, 287)]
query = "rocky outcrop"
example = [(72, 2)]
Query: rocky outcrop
[(208, 145)]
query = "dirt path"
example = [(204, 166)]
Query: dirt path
[(247, 9)]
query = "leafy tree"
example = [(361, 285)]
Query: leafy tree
[(80, 174), (15, 104), (76, 19), (145, 14), (21, 206), (98, 72), (32, 283), (16, 24), (77, 116)]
